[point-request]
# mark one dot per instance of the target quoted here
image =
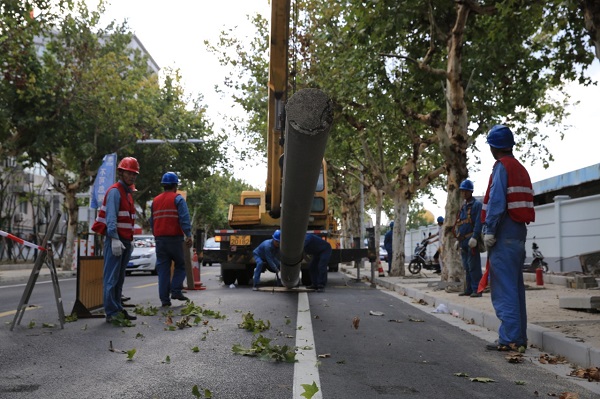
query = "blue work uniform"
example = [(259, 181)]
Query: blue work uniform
[(387, 244), (266, 256), (469, 226), (170, 249), (506, 262), (320, 251), (114, 266)]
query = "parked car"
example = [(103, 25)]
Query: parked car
[(209, 254), (143, 257)]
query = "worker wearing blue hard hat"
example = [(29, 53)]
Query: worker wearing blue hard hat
[(467, 230), (507, 209), (267, 257)]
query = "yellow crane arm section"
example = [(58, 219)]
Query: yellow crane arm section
[(278, 71)]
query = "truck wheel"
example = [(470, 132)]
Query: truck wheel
[(333, 267), (243, 277), (414, 266), (228, 276), (306, 280)]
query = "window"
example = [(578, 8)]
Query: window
[(251, 201), (318, 204)]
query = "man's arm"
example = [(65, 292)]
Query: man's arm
[(113, 201)]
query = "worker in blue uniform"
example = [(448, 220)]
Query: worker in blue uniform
[(267, 257), (507, 209), (387, 244), (467, 230), (320, 251)]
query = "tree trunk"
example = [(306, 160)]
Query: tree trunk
[(73, 212), (400, 215)]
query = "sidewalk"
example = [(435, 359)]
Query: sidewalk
[(573, 334), (20, 273)]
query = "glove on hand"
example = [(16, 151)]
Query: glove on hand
[(456, 245), (472, 242), (489, 240), (117, 247)]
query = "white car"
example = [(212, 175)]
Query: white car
[(208, 254), (143, 257)]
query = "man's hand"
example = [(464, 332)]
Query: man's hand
[(472, 242), (489, 240), (117, 247), (189, 241)]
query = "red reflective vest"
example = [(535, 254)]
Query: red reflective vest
[(519, 193), (125, 217), (165, 219)]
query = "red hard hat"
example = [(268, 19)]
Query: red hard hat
[(130, 164)]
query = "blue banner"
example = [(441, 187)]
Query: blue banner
[(104, 179)]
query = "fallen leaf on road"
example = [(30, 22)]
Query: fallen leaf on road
[(324, 355), (482, 379), (569, 395), (515, 358), (415, 320), (590, 374), (395, 321), (374, 313), (355, 322), (547, 359)]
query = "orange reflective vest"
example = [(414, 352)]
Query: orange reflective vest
[(519, 192), (165, 219), (125, 217)]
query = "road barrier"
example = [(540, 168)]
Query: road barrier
[(89, 296)]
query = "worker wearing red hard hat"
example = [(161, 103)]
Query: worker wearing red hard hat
[(115, 221)]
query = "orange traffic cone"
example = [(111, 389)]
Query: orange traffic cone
[(196, 272), (381, 272)]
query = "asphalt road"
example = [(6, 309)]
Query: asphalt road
[(404, 353)]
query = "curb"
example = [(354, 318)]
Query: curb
[(542, 338)]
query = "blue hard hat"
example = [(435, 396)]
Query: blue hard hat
[(440, 219), (277, 235), (500, 136), (466, 185), (169, 178)]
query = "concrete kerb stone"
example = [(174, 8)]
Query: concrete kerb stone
[(543, 338)]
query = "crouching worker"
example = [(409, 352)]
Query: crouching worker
[(320, 250), (266, 256)]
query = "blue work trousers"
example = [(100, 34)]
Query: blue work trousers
[(114, 276), (508, 290), (471, 261), (261, 266), (169, 249), (318, 267)]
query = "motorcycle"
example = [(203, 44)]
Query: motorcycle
[(538, 260), (420, 261)]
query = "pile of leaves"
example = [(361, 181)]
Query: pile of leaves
[(255, 326), (261, 347), (590, 374)]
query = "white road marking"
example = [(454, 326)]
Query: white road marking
[(305, 369)]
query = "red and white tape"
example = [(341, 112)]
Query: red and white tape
[(21, 241)]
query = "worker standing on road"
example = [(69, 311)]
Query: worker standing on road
[(116, 220), (387, 244), (507, 209), (320, 250), (170, 223), (467, 230), (266, 256)]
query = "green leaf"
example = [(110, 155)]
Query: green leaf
[(196, 391), (130, 354), (195, 349), (309, 390)]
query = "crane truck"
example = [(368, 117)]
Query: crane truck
[(259, 213)]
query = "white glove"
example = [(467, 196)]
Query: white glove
[(456, 245), (489, 240), (472, 242), (117, 247)]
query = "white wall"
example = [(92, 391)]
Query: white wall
[(563, 230)]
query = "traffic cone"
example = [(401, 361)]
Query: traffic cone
[(196, 272), (381, 272)]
